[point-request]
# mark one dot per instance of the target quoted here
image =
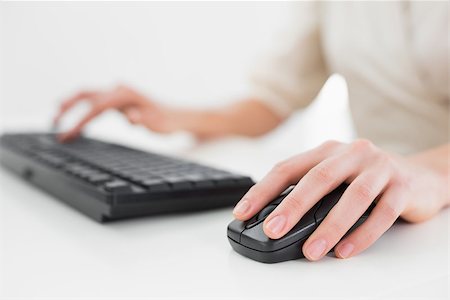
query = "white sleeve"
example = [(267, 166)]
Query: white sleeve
[(294, 73)]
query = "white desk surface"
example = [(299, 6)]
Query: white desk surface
[(50, 251)]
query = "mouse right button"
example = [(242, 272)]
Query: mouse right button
[(235, 229)]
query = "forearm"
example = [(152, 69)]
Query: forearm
[(248, 118)]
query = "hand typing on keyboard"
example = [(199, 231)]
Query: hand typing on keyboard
[(249, 117), (137, 109)]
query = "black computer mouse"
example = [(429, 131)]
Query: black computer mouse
[(249, 239)]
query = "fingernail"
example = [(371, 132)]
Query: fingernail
[(241, 208), (276, 224), (316, 249), (345, 250)]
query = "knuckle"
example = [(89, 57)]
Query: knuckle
[(293, 204), (329, 145), (362, 145), (335, 228), (363, 190), (389, 212), (402, 182), (322, 174), (368, 238), (384, 159), (123, 88)]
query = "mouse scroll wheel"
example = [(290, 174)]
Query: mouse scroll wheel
[(265, 212)]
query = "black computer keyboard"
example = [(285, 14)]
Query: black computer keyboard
[(108, 181)]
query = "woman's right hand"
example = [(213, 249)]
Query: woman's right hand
[(249, 117), (136, 108)]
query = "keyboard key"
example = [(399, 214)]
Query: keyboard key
[(200, 180), (156, 185), (51, 159), (223, 179), (178, 182), (87, 172), (117, 186), (98, 178)]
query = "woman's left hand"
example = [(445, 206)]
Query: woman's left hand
[(414, 188)]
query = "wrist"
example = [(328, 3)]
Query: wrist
[(431, 170)]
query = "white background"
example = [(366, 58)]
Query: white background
[(194, 55)]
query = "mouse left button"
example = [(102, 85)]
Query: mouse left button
[(260, 217)]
